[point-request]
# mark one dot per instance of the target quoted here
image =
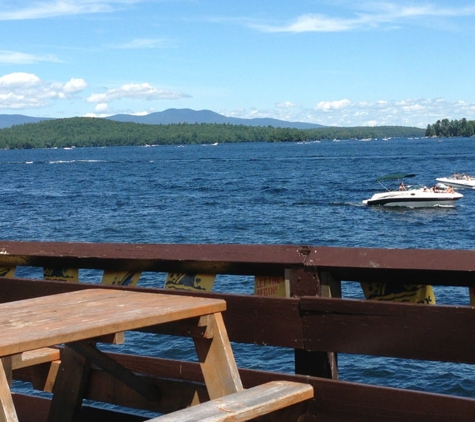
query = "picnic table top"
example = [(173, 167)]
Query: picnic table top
[(45, 321)]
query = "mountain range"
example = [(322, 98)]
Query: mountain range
[(171, 116)]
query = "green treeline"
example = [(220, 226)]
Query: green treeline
[(445, 128), (96, 132)]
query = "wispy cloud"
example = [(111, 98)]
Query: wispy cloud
[(365, 17), (16, 57), (42, 9), (143, 91), (144, 43), (26, 90)]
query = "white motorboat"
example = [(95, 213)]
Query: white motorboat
[(412, 196), (458, 180)]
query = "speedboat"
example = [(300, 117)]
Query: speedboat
[(458, 180), (412, 196)]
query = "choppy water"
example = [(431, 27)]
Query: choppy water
[(249, 193)]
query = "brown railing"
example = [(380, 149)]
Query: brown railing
[(316, 327)]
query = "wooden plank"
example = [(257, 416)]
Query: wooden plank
[(51, 377), (7, 368), (35, 357), (49, 320), (175, 394), (177, 258), (35, 409), (261, 320), (244, 405), (335, 401), (315, 363), (104, 361), (69, 387), (216, 358), (414, 266), (443, 333), (7, 408)]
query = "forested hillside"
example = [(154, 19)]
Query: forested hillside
[(95, 132)]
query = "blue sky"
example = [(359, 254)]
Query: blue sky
[(336, 63)]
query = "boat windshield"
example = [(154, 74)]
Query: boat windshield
[(414, 187)]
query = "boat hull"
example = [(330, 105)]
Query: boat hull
[(413, 199)]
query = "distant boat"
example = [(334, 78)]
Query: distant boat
[(458, 180)]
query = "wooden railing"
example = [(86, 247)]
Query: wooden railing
[(316, 327)]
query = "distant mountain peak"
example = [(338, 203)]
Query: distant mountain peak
[(9, 120), (186, 115), (172, 116)]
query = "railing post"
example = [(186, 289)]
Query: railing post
[(307, 282)]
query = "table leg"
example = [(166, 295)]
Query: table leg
[(69, 387), (217, 359), (7, 408)]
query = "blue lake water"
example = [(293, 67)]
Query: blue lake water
[(249, 193)]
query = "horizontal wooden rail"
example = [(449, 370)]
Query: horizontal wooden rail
[(441, 333), (421, 266), (34, 409), (334, 401), (211, 259)]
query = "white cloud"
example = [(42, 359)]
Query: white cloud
[(25, 90), (43, 9), (367, 17), (18, 80), (371, 123), (332, 105), (143, 91), (101, 108), (408, 112), (16, 57), (286, 104), (74, 85)]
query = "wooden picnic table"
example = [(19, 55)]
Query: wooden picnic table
[(79, 319)]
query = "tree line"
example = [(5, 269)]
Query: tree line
[(97, 132), (445, 128)]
